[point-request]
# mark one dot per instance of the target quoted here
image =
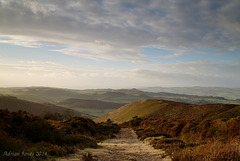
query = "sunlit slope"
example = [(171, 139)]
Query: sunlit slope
[(161, 109)]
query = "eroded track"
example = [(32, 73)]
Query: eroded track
[(124, 147)]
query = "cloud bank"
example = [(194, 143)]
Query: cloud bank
[(109, 29)]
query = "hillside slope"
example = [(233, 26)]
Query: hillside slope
[(15, 104), (161, 109), (93, 107)]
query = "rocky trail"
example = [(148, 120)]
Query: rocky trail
[(125, 147)]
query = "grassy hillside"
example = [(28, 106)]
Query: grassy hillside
[(155, 109), (92, 107), (186, 132)]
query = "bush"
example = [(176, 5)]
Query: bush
[(166, 143), (135, 121), (107, 130), (53, 116), (87, 157), (81, 141)]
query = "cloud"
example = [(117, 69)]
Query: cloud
[(102, 53), (202, 68), (19, 41), (200, 73), (35, 7), (33, 62), (176, 55), (126, 26)]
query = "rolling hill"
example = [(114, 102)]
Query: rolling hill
[(98, 102), (56, 95), (15, 104), (92, 107), (229, 93), (162, 109)]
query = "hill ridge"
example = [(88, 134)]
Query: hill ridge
[(155, 109)]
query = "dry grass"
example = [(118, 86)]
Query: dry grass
[(217, 139)]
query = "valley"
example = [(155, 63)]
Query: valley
[(94, 103)]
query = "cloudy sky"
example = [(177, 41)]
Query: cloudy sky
[(119, 43)]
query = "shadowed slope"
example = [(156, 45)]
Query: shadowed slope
[(15, 104), (93, 107)]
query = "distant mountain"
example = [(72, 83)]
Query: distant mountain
[(229, 93), (92, 107), (162, 109), (15, 104)]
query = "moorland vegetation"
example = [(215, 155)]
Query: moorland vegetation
[(211, 132), (27, 137)]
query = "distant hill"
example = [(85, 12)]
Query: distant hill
[(15, 104), (40, 94), (56, 95), (161, 109), (229, 93), (92, 107)]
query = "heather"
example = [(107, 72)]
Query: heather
[(29, 137)]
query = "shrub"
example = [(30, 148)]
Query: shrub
[(135, 121), (53, 116), (80, 140), (21, 131), (87, 157), (166, 143)]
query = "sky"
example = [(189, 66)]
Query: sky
[(119, 43)]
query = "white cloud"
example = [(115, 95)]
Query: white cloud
[(102, 52), (175, 55), (39, 63), (35, 7), (19, 41)]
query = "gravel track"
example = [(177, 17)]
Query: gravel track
[(125, 147)]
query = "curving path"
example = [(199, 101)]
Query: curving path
[(125, 147)]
